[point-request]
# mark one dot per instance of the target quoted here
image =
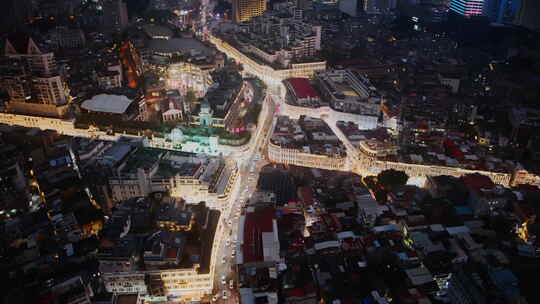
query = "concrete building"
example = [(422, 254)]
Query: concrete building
[(280, 37), (379, 6), (73, 291), (301, 93), (350, 7), (349, 91), (111, 106), (115, 17), (243, 10), (109, 79), (181, 174), (64, 37), (468, 8), (175, 267), (49, 90), (31, 78)]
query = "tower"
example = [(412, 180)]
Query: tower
[(502, 11), (244, 10), (378, 6), (205, 115), (115, 15), (468, 8), (528, 14), (32, 79)]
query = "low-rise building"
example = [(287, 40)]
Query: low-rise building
[(183, 175)]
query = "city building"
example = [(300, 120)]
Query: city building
[(111, 106), (109, 79), (115, 15), (502, 11), (301, 93), (350, 92), (64, 37), (183, 175), (527, 15), (176, 264), (350, 7), (33, 83), (243, 10), (72, 291), (278, 38), (468, 8), (379, 6)]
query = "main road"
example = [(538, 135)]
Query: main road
[(249, 163)]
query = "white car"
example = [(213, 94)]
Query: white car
[(233, 253), (223, 281), (227, 243), (225, 295), (231, 284), (215, 298)]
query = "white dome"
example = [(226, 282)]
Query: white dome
[(177, 134)]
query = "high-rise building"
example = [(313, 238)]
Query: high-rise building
[(468, 8), (350, 7), (15, 79), (30, 76), (379, 6), (15, 13), (115, 15), (502, 11), (244, 10), (528, 14)]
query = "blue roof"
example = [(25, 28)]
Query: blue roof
[(506, 281), (117, 152), (462, 210)]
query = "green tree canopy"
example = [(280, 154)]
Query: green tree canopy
[(390, 179)]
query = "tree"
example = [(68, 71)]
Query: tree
[(190, 99), (390, 179)]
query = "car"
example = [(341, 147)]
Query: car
[(223, 260), (233, 253), (231, 284), (227, 243), (225, 294), (223, 281), (215, 298)]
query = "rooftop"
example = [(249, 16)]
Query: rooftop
[(302, 88), (184, 45), (105, 103)]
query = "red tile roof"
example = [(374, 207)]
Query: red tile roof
[(453, 149), (302, 88), (477, 181), (306, 194), (256, 223)]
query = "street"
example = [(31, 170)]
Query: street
[(249, 165)]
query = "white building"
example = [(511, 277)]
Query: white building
[(192, 177)]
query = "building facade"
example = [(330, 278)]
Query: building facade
[(244, 10), (468, 8), (31, 78)]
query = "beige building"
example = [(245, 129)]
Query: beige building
[(244, 10), (33, 82), (188, 176)]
